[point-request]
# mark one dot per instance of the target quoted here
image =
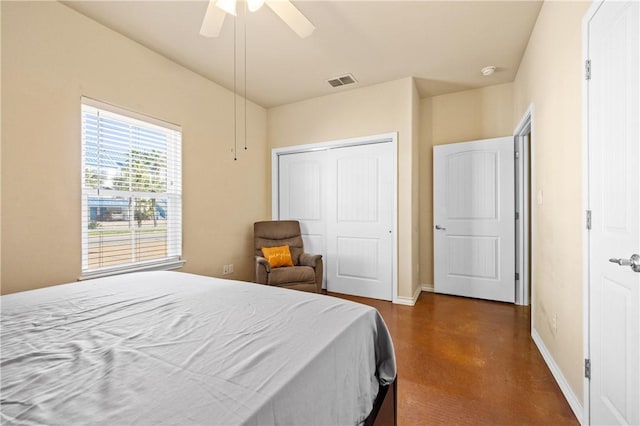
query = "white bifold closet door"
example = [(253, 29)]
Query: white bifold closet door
[(344, 200), (302, 191), (360, 220)]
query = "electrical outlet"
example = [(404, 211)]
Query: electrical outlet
[(225, 269), (230, 268)]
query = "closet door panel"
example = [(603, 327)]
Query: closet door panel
[(360, 220), (302, 192)]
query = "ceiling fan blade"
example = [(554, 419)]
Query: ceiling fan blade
[(213, 20), (292, 17)]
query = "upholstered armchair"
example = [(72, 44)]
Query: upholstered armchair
[(306, 272)]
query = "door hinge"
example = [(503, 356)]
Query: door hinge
[(587, 368), (587, 69), (517, 215), (517, 154), (517, 276), (588, 219)]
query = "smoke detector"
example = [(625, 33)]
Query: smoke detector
[(487, 71), (343, 80)]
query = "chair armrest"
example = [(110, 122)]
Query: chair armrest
[(262, 270), (264, 262), (315, 261), (312, 260)]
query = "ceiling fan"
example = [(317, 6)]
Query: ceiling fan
[(217, 10)]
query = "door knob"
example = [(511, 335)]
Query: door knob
[(440, 228), (634, 262)]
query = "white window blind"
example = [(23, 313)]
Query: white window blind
[(131, 191)]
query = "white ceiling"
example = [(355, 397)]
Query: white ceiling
[(444, 44)]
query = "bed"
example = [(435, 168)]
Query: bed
[(176, 348)]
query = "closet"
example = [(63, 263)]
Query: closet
[(345, 199)]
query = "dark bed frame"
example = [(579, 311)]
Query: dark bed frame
[(384, 411)]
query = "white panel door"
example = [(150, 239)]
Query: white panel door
[(614, 199), (360, 220), (302, 190), (474, 219)]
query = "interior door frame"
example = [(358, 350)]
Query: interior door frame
[(343, 143), (524, 206), (586, 203)]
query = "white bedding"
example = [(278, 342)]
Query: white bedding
[(173, 348)]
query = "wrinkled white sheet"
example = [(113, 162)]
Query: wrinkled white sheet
[(174, 348)]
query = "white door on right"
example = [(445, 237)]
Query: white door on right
[(474, 219), (614, 200)]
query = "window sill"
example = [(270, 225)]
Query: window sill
[(164, 265)]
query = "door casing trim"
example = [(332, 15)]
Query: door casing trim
[(586, 304), (525, 206)]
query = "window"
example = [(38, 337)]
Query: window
[(131, 191)]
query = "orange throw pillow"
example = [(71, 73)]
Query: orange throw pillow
[(277, 256)]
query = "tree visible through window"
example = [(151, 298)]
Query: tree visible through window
[(131, 190)]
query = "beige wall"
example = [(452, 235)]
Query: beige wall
[(426, 192), (457, 117), (52, 55), (415, 189), (550, 78), (473, 114), (382, 108)]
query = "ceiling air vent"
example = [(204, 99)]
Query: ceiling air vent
[(342, 80)]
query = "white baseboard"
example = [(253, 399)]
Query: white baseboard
[(571, 398), (409, 301), (428, 287)]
